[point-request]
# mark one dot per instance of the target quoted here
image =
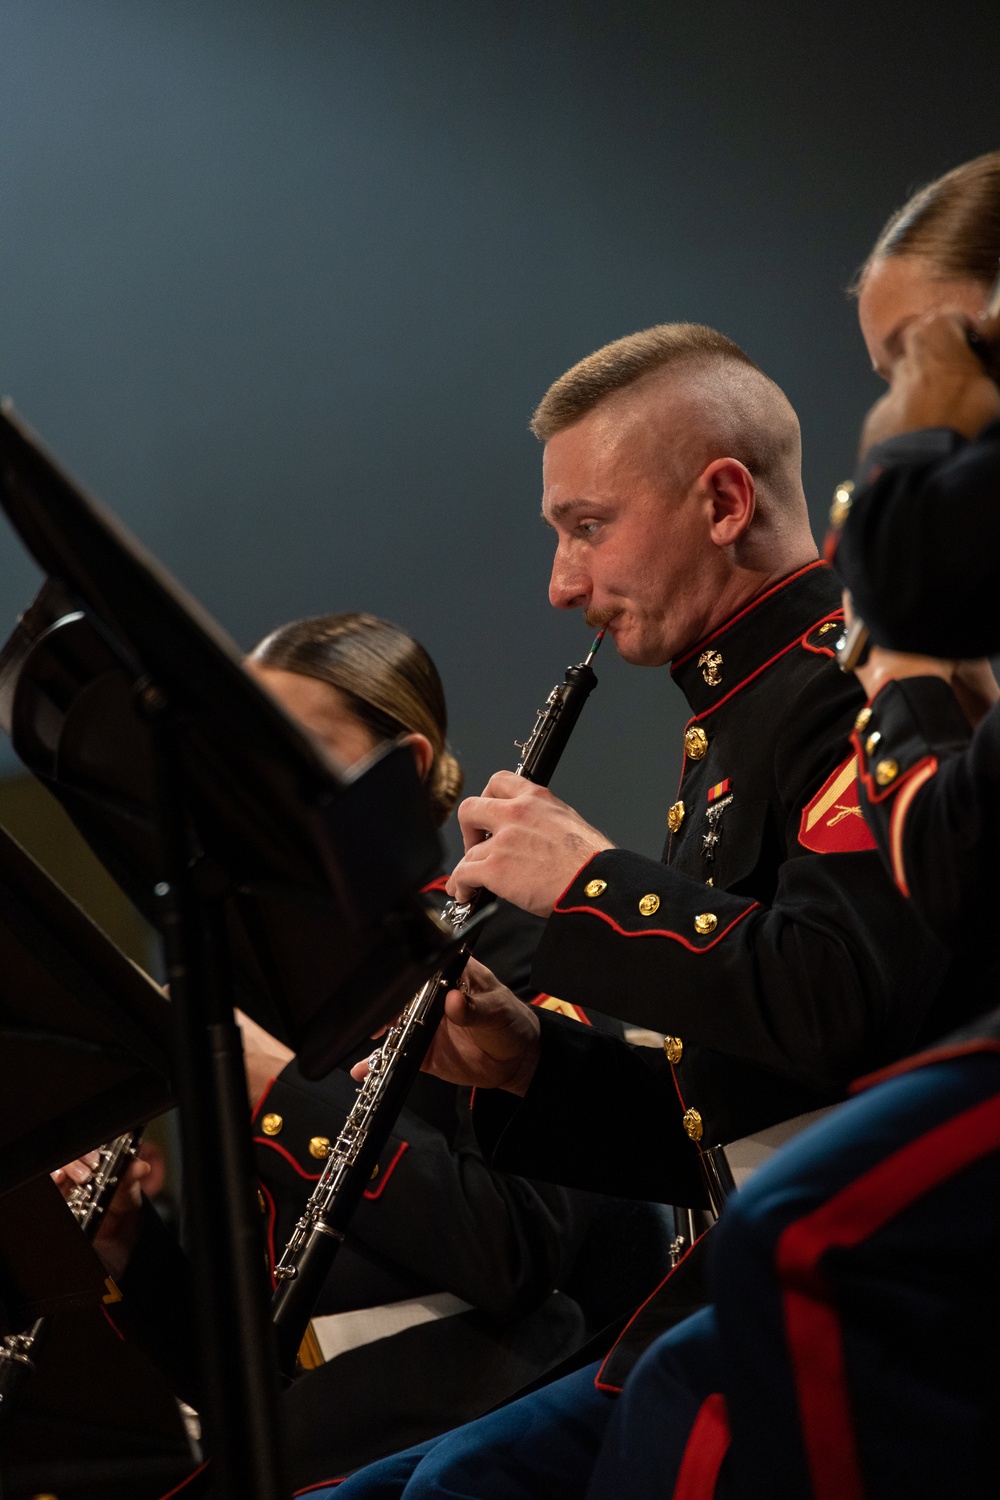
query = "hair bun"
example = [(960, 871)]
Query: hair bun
[(445, 785)]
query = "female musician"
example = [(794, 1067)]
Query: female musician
[(442, 1300)]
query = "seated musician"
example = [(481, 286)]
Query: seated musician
[(457, 1284)]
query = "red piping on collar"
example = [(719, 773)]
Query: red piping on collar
[(697, 718), (759, 599)]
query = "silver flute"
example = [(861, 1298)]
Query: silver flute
[(87, 1202), (351, 1160)]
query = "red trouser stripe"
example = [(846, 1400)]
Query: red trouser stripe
[(812, 1322), (704, 1451)]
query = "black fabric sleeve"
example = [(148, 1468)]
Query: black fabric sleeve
[(599, 1114), (437, 1215), (833, 978), (920, 550), (937, 818)]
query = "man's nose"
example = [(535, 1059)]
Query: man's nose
[(568, 587)]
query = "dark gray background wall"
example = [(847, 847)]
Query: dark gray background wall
[(283, 279)]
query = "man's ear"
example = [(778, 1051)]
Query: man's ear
[(423, 753), (729, 488)]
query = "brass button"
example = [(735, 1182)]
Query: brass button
[(830, 625), (861, 722), (841, 507), (693, 1126), (319, 1146), (271, 1124), (374, 1173), (705, 923), (261, 1204), (675, 817), (872, 740), (595, 887), (674, 1048), (695, 742), (886, 771), (649, 904)]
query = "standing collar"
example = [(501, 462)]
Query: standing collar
[(755, 636)]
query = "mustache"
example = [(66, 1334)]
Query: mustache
[(596, 619)]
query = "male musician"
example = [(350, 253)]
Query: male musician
[(769, 944)]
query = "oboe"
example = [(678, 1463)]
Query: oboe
[(87, 1203), (320, 1231)]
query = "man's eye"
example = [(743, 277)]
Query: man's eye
[(587, 528)]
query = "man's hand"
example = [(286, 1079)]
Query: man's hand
[(263, 1056), (488, 1038), (119, 1225), (937, 382), (521, 843)]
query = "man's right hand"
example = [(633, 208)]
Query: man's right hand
[(487, 1039)]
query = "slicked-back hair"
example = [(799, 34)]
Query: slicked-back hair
[(386, 677), (953, 224), (625, 362)]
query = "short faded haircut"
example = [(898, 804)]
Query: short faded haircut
[(743, 413), (626, 361)]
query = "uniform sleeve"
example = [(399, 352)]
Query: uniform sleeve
[(599, 1114), (436, 1214), (920, 549), (835, 976), (931, 794)]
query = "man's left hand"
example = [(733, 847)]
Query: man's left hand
[(521, 843)]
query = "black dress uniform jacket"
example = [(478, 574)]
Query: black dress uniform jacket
[(920, 548), (769, 944)]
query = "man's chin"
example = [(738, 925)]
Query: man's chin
[(637, 652)]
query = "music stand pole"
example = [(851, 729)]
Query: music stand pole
[(238, 1359)]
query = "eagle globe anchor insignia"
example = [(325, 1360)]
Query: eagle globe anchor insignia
[(710, 663)]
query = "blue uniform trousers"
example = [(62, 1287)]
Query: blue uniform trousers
[(853, 1346)]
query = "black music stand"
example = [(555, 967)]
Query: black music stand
[(272, 877)]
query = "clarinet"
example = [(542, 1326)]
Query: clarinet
[(87, 1203), (319, 1233)]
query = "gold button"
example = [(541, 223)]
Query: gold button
[(319, 1146), (595, 887), (649, 904), (886, 771), (374, 1172), (271, 1124), (692, 1124), (861, 722), (695, 742), (674, 1048), (872, 740), (841, 507), (830, 625), (675, 817), (705, 923), (261, 1204)]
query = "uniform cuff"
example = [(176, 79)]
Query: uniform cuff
[(909, 723)]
